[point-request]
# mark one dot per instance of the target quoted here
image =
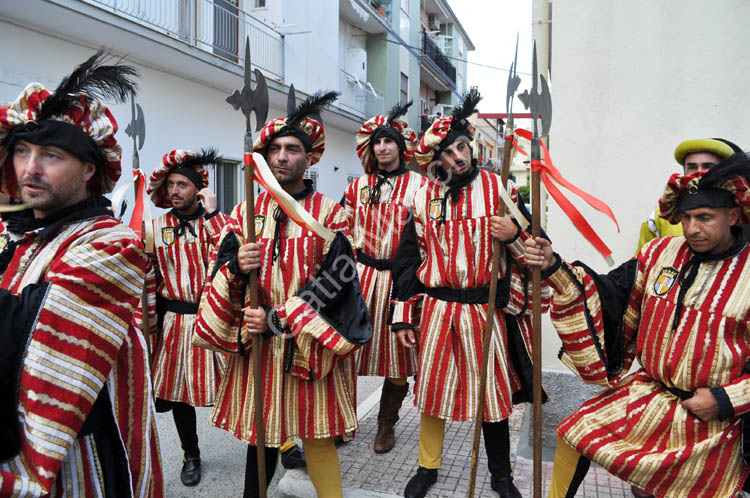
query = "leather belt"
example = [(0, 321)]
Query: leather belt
[(180, 307), (466, 296)]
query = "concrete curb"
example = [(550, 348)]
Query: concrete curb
[(296, 484)]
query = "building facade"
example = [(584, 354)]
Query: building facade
[(190, 54)]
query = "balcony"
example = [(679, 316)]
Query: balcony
[(359, 97), (369, 16), (215, 26), (436, 68)]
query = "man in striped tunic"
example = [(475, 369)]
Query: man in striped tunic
[(377, 207), (76, 416), (443, 267), (180, 243), (311, 317), (673, 427)]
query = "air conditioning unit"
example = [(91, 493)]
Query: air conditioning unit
[(356, 63), (434, 22)]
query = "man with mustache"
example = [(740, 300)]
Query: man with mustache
[(377, 207), (673, 427), (180, 243), (311, 315), (76, 416), (442, 277)]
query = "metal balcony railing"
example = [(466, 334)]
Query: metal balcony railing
[(216, 26), (431, 50)]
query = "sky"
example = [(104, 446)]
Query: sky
[(492, 26)]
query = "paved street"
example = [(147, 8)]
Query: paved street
[(363, 470)]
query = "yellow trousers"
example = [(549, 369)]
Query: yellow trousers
[(570, 468), (323, 467), (288, 445), (431, 434)]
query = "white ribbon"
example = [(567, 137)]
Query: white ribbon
[(291, 207)]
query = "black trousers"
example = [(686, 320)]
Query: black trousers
[(184, 419), (252, 486), (497, 445)]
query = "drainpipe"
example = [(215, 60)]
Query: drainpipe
[(541, 27)]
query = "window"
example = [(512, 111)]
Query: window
[(229, 180), (226, 29), (311, 174), (259, 4), (404, 92)]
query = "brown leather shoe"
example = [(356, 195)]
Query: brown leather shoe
[(391, 399), (639, 493)]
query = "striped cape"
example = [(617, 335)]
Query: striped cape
[(376, 230), (84, 340), (183, 372), (456, 253), (309, 378), (636, 428)]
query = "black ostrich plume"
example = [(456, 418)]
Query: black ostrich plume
[(398, 111), (467, 107), (738, 164), (311, 107), (94, 79), (205, 156)]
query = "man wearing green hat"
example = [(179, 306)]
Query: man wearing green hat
[(698, 154)]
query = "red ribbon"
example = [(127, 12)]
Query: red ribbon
[(136, 219), (548, 173)]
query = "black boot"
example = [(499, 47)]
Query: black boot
[(419, 484), (504, 486), (293, 458), (184, 419), (191, 471)]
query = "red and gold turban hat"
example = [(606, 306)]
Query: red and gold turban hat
[(72, 118), (444, 131), (184, 162), (388, 126), (725, 185), (303, 122)]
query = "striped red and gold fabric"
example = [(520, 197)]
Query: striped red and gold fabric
[(376, 229), (183, 372), (309, 378), (456, 252), (84, 341), (637, 428)]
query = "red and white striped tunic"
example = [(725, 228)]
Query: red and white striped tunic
[(84, 339), (183, 372), (376, 230), (457, 253), (637, 429), (309, 383)]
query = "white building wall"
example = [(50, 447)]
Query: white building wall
[(311, 59), (630, 81), (179, 113)]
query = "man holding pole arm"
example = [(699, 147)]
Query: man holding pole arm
[(673, 427), (311, 317), (443, 265)]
